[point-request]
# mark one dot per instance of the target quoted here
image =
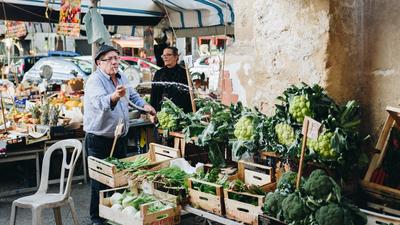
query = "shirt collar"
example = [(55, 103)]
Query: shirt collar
[(108, 76)]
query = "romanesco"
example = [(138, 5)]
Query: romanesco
[(299, 107), (244, 128), (285, 134)]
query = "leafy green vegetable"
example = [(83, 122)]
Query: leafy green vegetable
[(287, 181), (332, 214), (294, 208), (321, 187), (285, 134), (273, 203), (171, 117), (212, 177), (172, 176), (339, 148), (131, 165), (299, 107), (140, 200)]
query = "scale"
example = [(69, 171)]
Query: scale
[(46, 73)]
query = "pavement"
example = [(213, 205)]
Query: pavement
[(80, 194)]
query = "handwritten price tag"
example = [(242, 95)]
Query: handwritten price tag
[(312, 129)]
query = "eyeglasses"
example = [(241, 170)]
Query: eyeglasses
[(165, 55), (117, 58)]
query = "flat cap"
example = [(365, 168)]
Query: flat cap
[(103, 50)]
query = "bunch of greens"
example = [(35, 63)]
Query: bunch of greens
[(130, 165), (171, 176), (238, 185), (211, 176), (213, 125), (318, 201)]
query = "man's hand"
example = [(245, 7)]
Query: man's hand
[(149, 109), (119, 92), (153, 119)]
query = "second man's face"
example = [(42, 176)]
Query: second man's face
[(170, 59)]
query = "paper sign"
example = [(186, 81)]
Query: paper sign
[(313, 128), (119, 128), (188, 61), (15, 29), (69, 22)]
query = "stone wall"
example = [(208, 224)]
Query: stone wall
[(381, 78), (278, 43), (349, 47)]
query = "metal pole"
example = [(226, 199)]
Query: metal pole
[(95, 46)]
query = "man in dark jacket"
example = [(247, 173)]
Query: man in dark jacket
[(171, 72)]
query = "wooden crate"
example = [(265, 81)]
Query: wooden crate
[(377, 190), (169, 216), (191, 152), (380, 219), (108, 174), (206, 201), (253, 174), (180, 193)]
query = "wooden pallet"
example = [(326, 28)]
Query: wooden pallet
[(108, 174), (252, 174), (168, 216), (373, 189)]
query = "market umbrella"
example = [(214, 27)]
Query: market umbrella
[(115, 12)]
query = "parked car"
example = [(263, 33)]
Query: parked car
[(62, 53), (132, 73), (140, 63), (20, 65), (63, 69), (207, 68)]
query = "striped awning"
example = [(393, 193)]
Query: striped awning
[(198, 13), (115, 12)]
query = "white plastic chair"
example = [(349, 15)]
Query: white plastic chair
[(41, 199)]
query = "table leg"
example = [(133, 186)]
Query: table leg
[(37, 170)]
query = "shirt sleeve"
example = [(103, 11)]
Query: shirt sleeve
[(135, 97), (97, 95), (132, 93)]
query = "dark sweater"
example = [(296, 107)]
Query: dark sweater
[(177, 94)]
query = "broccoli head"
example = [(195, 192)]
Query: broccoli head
[(273, 203), (321, 187), (287, 181), (332, 214), (294, 208)]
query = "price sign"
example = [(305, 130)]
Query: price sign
[(70, 11), (312, 129)]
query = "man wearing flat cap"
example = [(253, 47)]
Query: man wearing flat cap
[(105, 105)]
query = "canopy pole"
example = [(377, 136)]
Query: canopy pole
[(95, 45)]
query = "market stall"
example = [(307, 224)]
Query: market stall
[(282, 169)]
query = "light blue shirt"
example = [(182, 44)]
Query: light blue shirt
[(100, 118)]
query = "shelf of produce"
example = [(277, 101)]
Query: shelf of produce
[(209, 216)]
